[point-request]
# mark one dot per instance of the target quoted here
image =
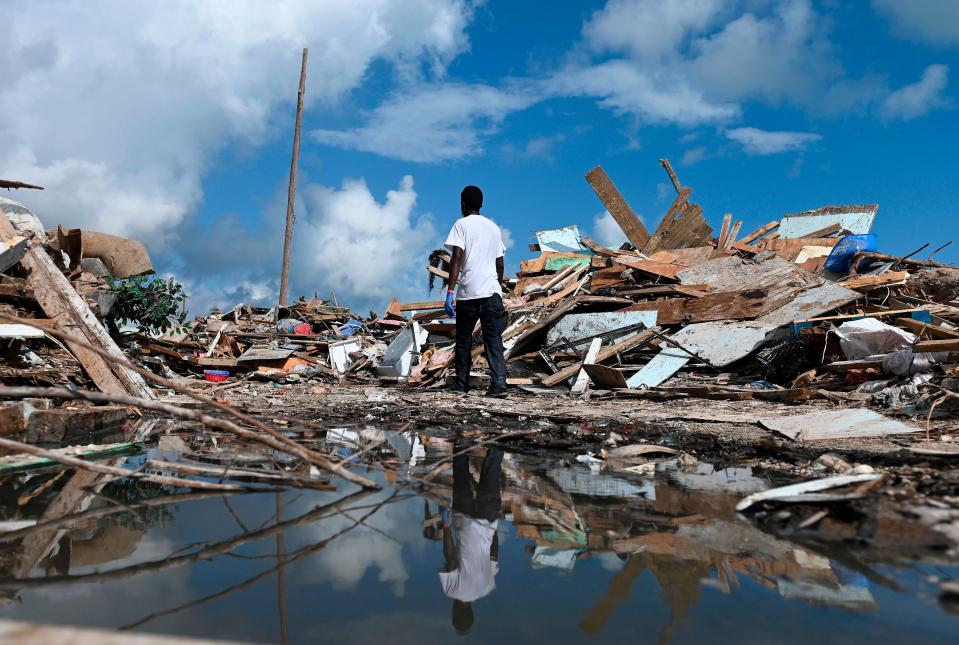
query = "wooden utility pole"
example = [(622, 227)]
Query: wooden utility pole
[(288, 237)]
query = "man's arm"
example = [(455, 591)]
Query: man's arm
[(455, 264), (499, 269)]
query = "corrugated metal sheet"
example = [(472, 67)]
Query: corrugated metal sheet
[(576, 326), (855, 219), (836, 424)]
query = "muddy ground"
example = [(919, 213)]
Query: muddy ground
[(720, 432)]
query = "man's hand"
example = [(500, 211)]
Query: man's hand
[(450, 300)]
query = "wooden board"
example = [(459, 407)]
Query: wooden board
[(759, 232), (605, 378), (614, 202), (943, 345), (870, 282), (925, 329), (582, 378), (661, 269), (678, 206)]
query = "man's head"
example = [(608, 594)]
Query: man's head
[(471, 200), (462, 616)]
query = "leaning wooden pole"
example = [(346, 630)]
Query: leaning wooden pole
[(288, 237)]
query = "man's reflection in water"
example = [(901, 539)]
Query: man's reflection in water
[(470, 541)]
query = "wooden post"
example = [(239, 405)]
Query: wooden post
[(288, 237), (668, 167), (614, 202)]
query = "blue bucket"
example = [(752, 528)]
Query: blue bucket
[(840, 259)]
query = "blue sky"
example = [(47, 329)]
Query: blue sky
[(173, 125)]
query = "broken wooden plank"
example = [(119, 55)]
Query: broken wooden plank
[(617, 206), (730, 305), (599, 250), (870, 282), (724, 231), (661, 269), (605, 378), (925, 329), (689, 230), (421, 306), (826, 231), (944, 345), (759, 232), (668, 167), (679, 204), (733, 233), (61, 302), (836, 424), (582, 379)]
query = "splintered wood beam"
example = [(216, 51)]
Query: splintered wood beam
[(668, 167), (682, 199), (759, 232), (614, 202), (731, 238), (724, 231)]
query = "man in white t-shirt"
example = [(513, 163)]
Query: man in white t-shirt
[(470, 540), (476, 268)]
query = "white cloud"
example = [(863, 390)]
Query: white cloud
[(654, 96), (694, 155), (346, 241), (507, 237), (933, 21), (781, 56), (431, 123), (119, 108), (765, 142), (607, 232), (916, 99), (366, 250), (649, 29)]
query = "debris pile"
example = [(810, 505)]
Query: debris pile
[(802, 307)]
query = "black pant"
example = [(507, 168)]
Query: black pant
[(492, 316), (485, 504)]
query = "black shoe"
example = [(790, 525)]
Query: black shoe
[(497, 391), (458, 390)]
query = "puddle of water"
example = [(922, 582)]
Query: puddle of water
[(528, 549)]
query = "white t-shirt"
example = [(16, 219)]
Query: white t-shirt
[(475, 576), (482, 243)]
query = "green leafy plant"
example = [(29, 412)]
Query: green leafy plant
[(154, 305)]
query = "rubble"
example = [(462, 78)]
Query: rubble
[(760, 351)]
